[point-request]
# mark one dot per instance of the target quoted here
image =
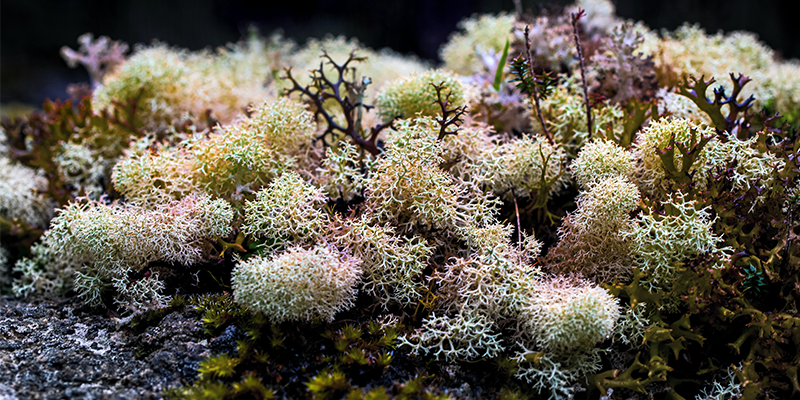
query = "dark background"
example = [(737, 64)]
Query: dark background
[(32, 32)]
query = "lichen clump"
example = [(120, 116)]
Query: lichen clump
[(298, 284), (532, 224)]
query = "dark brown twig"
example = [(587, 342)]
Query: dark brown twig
[(535, 91), (340, 91), (575, 18), (450, 116)]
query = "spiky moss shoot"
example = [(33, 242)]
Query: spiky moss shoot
[(599, 160), (112, 240), (591, 239), (415, 94), (287, 212), (564, 315), (298, 284), (167, 82), (564, 113), (483, 36), (19, 194), (655, 138), (392, 264), (525, 168), (661, 243), (238, 160), (458, 338), (600, 18)]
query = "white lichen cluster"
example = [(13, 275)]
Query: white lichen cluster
[(593, 239), (660, 243), (20, 197), (109, 242), (392, 264), (286, 212), (691, 51), (167, 82), (298, 284)]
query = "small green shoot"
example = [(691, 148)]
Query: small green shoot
[(498, 76)]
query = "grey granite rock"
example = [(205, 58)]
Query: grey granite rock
[(53, 349)]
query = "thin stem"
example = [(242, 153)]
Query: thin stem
[(535, 91), (575, 18), (519, 226)]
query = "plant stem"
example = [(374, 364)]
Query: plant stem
[(575, 18), (535, 91)]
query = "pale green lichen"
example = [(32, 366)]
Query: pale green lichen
[(566, 316), (20, 197), (110, 241), (591, 239), (344, 172), (724, 387), (149, 178), (456, 338), (599, 160), (45, 271), (298, 284), (81, 168), (525, 168), (564, 113), (691, 51), (660, 243), (415, 94), (240, 159), (556, 373), (407, 187), (166, 82), (287, 212), (657, 137), (751, 167), (632, 325), (482, 36), (392, 265)]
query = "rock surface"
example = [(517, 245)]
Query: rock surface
[(55, 349)]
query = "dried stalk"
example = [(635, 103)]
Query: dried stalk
[(575, 18), (535, 91)]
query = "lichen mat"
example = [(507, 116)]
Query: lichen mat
[(614, 222)]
